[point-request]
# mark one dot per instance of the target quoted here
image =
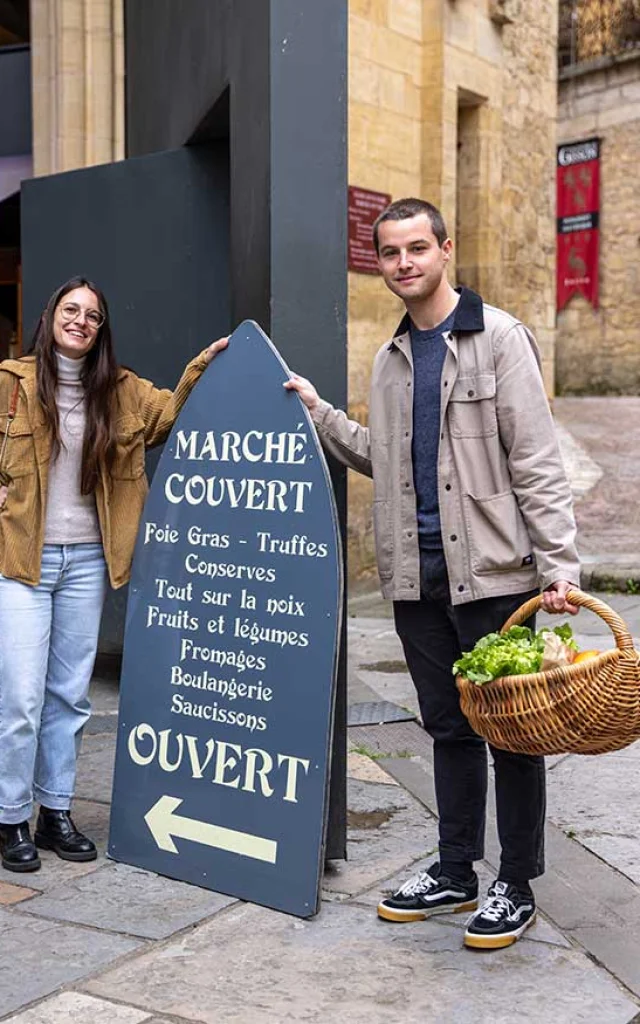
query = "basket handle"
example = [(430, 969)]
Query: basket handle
[(616, 624)]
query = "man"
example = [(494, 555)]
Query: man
[(472, 516)]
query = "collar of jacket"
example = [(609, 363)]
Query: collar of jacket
[(468, 319), (26, 368)]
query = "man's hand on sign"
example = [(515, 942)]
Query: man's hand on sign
[(554, 598), (305, 389), (215, 347)]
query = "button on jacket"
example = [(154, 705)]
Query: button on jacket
[(144, 418), (505, 502)]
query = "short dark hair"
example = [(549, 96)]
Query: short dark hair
[(403, 209)]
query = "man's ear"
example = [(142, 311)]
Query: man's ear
[(447, 249)]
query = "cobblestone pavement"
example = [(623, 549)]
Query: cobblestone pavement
[(600, 438), (104, 943), (108, 944)]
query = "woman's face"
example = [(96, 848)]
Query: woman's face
[(76, 322)]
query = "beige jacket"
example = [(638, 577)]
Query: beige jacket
[(144, 419), (505, 503)]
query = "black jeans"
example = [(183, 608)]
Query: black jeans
[(433, 634)]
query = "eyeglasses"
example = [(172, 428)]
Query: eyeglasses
[(70, 311)]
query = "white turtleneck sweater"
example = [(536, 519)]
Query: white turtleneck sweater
[(71, 518)]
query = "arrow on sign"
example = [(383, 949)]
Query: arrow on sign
[(164, 823)]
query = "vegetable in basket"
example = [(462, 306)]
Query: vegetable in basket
[(519, 651)]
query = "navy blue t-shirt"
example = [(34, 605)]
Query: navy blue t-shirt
[(429, 350)]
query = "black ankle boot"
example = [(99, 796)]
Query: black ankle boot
[(17, 848), (55, 831)]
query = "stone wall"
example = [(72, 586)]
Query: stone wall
[(77, 60), (385, 140), (454, 101), (528, 206), (598, 351), (451, 100)]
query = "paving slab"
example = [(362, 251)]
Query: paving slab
[(77, 1008), (120, 898), (366, 602), (395, 739), (102, 722), (388, 830), (583, 471), (582, 895), (396, 687), (361, 767), (104, 693), (95, 768), (374, 639), (49, 955), (255, 965), (582, 891), (596, 801), (608, 429), (10, 893), (617, 950)]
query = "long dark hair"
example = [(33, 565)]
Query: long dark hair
[(99, 376)]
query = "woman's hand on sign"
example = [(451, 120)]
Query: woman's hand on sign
[(305, 389), (215, 347)]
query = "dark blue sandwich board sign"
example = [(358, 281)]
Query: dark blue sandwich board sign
[(227, 688)]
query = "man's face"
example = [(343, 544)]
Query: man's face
[(410, 259)]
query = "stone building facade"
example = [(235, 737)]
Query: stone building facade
[(455, 101), (598, 350), (77, 60), (451, 100)]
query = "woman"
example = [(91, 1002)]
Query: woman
[(73, 429)]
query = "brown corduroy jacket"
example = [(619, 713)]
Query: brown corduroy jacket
[(144, 419)]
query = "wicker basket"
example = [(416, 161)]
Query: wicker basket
[(589, 708)]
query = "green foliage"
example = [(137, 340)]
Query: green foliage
[(366, 752), (516, 652)]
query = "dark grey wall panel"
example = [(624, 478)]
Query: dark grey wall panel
[(155, 238), (251, 162), (176, 60), (308, 203), (271, 75), (196, 76), (309, 189), (15, 101), (164, 310)]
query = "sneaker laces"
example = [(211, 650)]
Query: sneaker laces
[(418, 884), (497, 907)]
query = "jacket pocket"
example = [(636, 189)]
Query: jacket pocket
[(129, 461), (20, 455), (383, 533), (472, 406), (498, 537)]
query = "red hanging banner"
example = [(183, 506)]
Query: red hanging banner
[(578, 212)]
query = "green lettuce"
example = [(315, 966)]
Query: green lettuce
[(516, 652)]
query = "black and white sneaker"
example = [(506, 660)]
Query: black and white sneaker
[(429, 893), (502, 919)]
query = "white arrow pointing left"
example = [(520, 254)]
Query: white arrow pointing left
[(164, 823)]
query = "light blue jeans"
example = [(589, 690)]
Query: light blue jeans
[(48, 643)]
